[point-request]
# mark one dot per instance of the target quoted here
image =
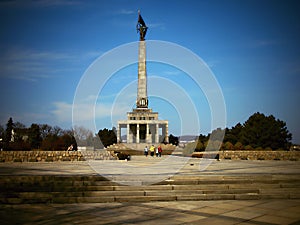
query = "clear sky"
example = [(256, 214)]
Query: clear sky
[(252, 47)]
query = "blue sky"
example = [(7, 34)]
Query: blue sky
[(252, 47)]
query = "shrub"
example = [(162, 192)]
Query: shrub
[(199, 147), (123, 156), (228, 146), (238, 146), (248, 147), (213, 145), (19, 146)]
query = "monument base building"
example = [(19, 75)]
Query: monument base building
[(143, 126)]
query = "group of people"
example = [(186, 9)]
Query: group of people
[(157, 150)]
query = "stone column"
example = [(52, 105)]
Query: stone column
[(167, 132), (163, 131), (118, 133), (156, 133), (138, 133), (147, 133), (128, 133)]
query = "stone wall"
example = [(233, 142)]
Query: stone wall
[(52, 156), (250, 155), (260, 155)]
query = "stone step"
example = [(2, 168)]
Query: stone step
[(128, 192), (133, 198), (85, 179), (82, 188), (92, 189), (202, 182), (177, 192), (279, 190), (239, 177), (167, 184)]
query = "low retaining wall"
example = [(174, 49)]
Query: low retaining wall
[(250, 155), (260, 155), (53, 156)]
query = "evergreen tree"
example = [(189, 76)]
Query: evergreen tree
[(34, 136), (265, 131), (233, 135), (108, 137), (201, 143), (173, 140), (8, 133), (2, 137)]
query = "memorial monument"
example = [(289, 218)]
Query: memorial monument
[(142, 124)]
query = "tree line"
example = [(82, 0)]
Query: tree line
[(16, 136), (258, 132)]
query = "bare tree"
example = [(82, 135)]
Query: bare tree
[(84, 136)]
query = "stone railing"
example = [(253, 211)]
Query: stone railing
[(52, 156), (250, 155)]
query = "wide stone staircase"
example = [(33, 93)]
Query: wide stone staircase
[(23, 189)]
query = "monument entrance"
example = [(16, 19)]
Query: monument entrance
[(142, 124)]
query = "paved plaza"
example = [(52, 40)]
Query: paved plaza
[(190, 166), (265, 211)]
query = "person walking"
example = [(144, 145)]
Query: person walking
[(146, 151), (159, 150), (152, 148)]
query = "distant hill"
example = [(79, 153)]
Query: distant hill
[(187, 138)]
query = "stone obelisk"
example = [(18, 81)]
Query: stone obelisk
[(142, 124), (142, 98)]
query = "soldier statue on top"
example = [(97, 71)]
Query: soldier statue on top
[(141, 27)]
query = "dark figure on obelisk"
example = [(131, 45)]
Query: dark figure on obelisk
[(141, 27)]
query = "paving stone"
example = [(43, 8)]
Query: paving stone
[(210, 211), (217, 220), (243, 214), (227, 205), (291, 212), (276, 204), (188, 218), (273, 219)]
